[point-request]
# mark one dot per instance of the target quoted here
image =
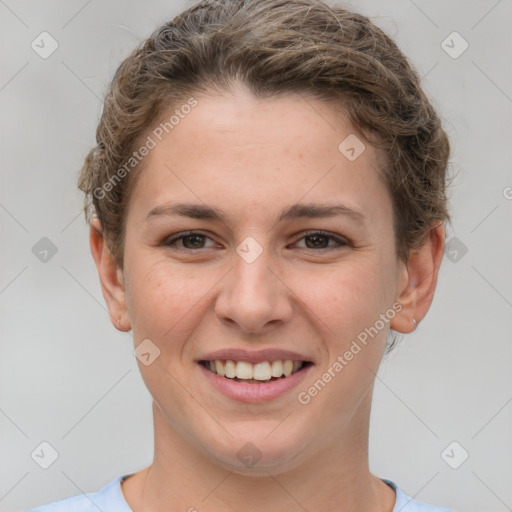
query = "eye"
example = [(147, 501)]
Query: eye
[(194, 241), (191, 241), (319, 239)]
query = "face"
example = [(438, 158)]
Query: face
[(282, 250)]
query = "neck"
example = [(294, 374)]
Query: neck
[(336, 477)]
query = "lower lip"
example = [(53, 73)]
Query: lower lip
[(254, 392)]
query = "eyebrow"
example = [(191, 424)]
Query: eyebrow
[(296, 211)]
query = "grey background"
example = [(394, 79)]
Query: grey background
[(69, 378)]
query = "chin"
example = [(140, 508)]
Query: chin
[(258, 453)]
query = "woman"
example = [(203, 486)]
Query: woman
[(267, 202)]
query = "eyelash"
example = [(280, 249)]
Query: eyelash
[(341, 242)]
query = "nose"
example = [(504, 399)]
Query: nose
[(253, 295)]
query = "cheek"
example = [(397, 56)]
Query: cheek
[(349, 297), (153, 295), (159, 304), (165, 302)]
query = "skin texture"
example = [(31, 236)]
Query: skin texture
[(252, 158)]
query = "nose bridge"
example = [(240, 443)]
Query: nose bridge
[(251, 266), (253, 295), (251, 272)]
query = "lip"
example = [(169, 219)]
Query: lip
[(254, 356), (254, 393)]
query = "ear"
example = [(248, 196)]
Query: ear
[(111, 278), (419, 280)]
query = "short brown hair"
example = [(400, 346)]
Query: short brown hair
[(275, 47)]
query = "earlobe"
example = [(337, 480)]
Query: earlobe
[(420, 277), (111, 278)]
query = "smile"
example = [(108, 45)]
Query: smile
[(257, 382), (258, 373)]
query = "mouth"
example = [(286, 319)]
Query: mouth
[(255, 373)]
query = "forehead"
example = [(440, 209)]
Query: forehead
[(235, 149)]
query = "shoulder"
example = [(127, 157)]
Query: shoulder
[(110, 498), (405, 503)]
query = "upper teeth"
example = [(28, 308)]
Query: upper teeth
[(259, 371)]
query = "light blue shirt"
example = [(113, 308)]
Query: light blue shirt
[(111, 499)]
